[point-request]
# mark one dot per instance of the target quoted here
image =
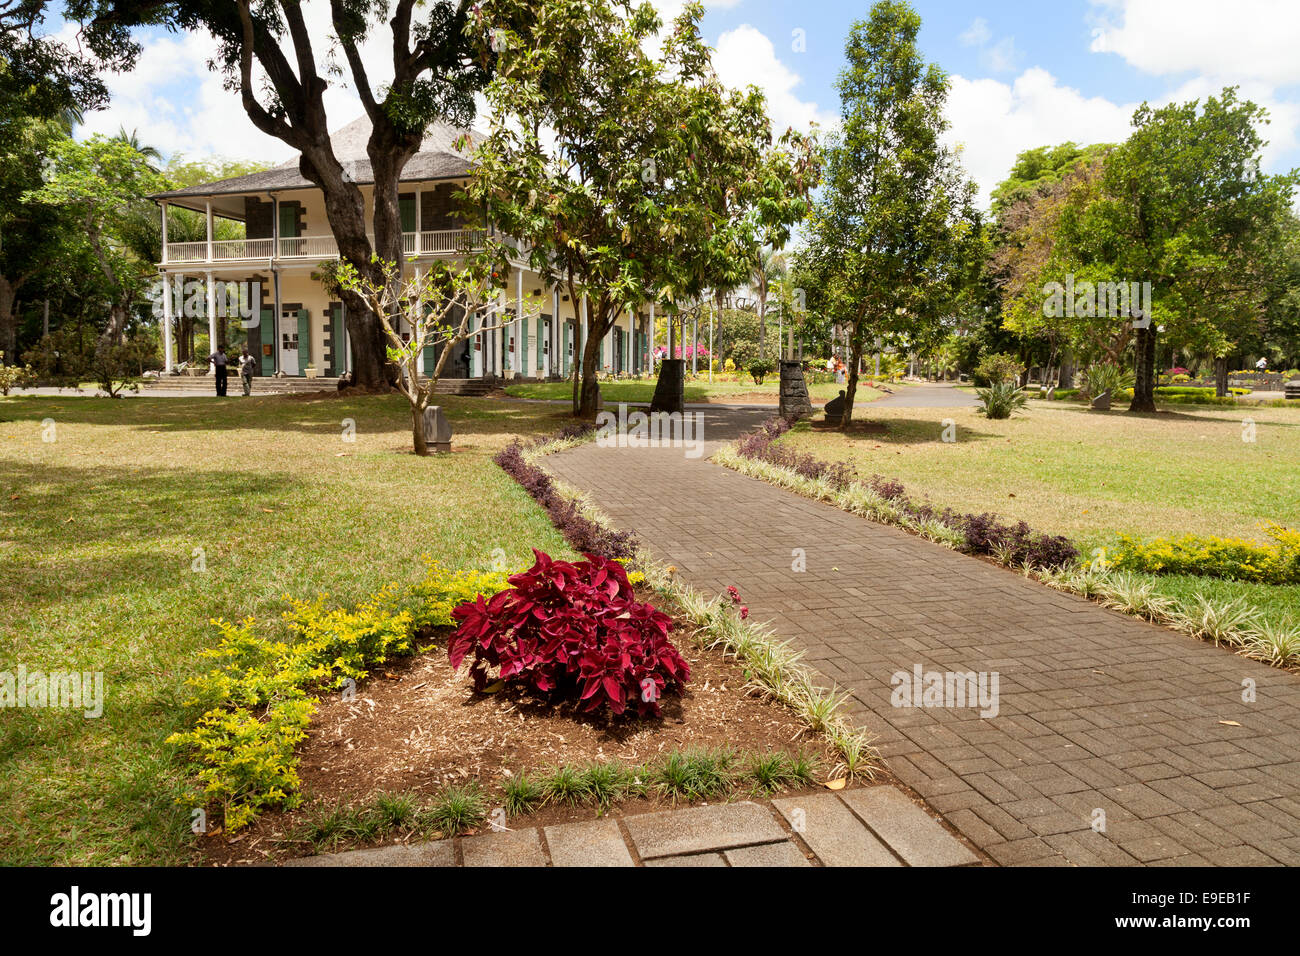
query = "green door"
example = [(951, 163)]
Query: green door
[(304, 341), (266, 340)]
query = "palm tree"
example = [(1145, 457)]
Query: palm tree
[(132, 139), (769, 266)]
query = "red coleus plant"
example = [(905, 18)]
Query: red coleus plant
[(572, 630)]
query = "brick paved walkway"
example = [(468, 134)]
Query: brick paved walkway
[(871, 826), (1098, 711)]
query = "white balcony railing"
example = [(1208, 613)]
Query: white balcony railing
[(440, 242)]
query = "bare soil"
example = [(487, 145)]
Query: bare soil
[(415, 727)]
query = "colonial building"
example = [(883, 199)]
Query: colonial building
[(295, 324)]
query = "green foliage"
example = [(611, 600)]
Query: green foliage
[(12, 376), (999, 369), (658, 180), (1001, 399), (1105, 377), (259, 698), (1233, 558), (759, 369), (894, 237)]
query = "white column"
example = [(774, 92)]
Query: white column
[(209, 219), (498, 336), (167, 317), (553, 334), (419, 307), (212, 315), (521, 358), (710, 345), (650, 341), (419, 211), (164, 233)]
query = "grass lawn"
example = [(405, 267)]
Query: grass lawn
[(1093, 475), (98, 531), (699, 390)]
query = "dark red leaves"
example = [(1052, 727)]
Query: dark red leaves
[(572, 630)]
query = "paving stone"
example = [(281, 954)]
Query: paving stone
[(690, 859), (432, 853), (832, 831), (1116, 712), (698, 829), (506, 848), (909, 830), (592, 843), (784, 853)]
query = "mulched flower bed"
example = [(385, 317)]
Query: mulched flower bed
[(416, 727)]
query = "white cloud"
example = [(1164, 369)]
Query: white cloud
[(977, 34), (999, 57), (175, 103), (1243, 39), (746, 56), (994, 121)]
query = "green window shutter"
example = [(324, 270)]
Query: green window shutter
[(334, 360), (289, 220), (406, 209), (304, 341), (541, 343)]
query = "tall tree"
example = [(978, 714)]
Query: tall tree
[(282, 67), (1182, 204), (98, 182), (627, 177), (32, 234), (895, 229)]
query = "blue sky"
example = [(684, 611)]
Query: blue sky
[(1023, 73)]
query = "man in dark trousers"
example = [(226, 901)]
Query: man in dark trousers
[(219, 365)]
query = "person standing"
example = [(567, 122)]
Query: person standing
[(219, 364), (246, 362)]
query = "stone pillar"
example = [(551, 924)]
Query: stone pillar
[(794, 391), (670, 387)]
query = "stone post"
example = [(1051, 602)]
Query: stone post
[(794, 402)]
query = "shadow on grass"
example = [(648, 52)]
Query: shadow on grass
[(1177, 413), (127, 514), (315, 414), (902, 431)]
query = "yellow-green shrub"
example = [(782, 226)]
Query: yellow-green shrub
[(1236, 558), (258, 701)]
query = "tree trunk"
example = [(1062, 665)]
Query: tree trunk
[(589, 397), (1144, 384), (852, 389), (1221, 376), (8, 321), (762, 320), (579, 350), (417, 431)]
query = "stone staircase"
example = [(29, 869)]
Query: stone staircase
[(269, 385)]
